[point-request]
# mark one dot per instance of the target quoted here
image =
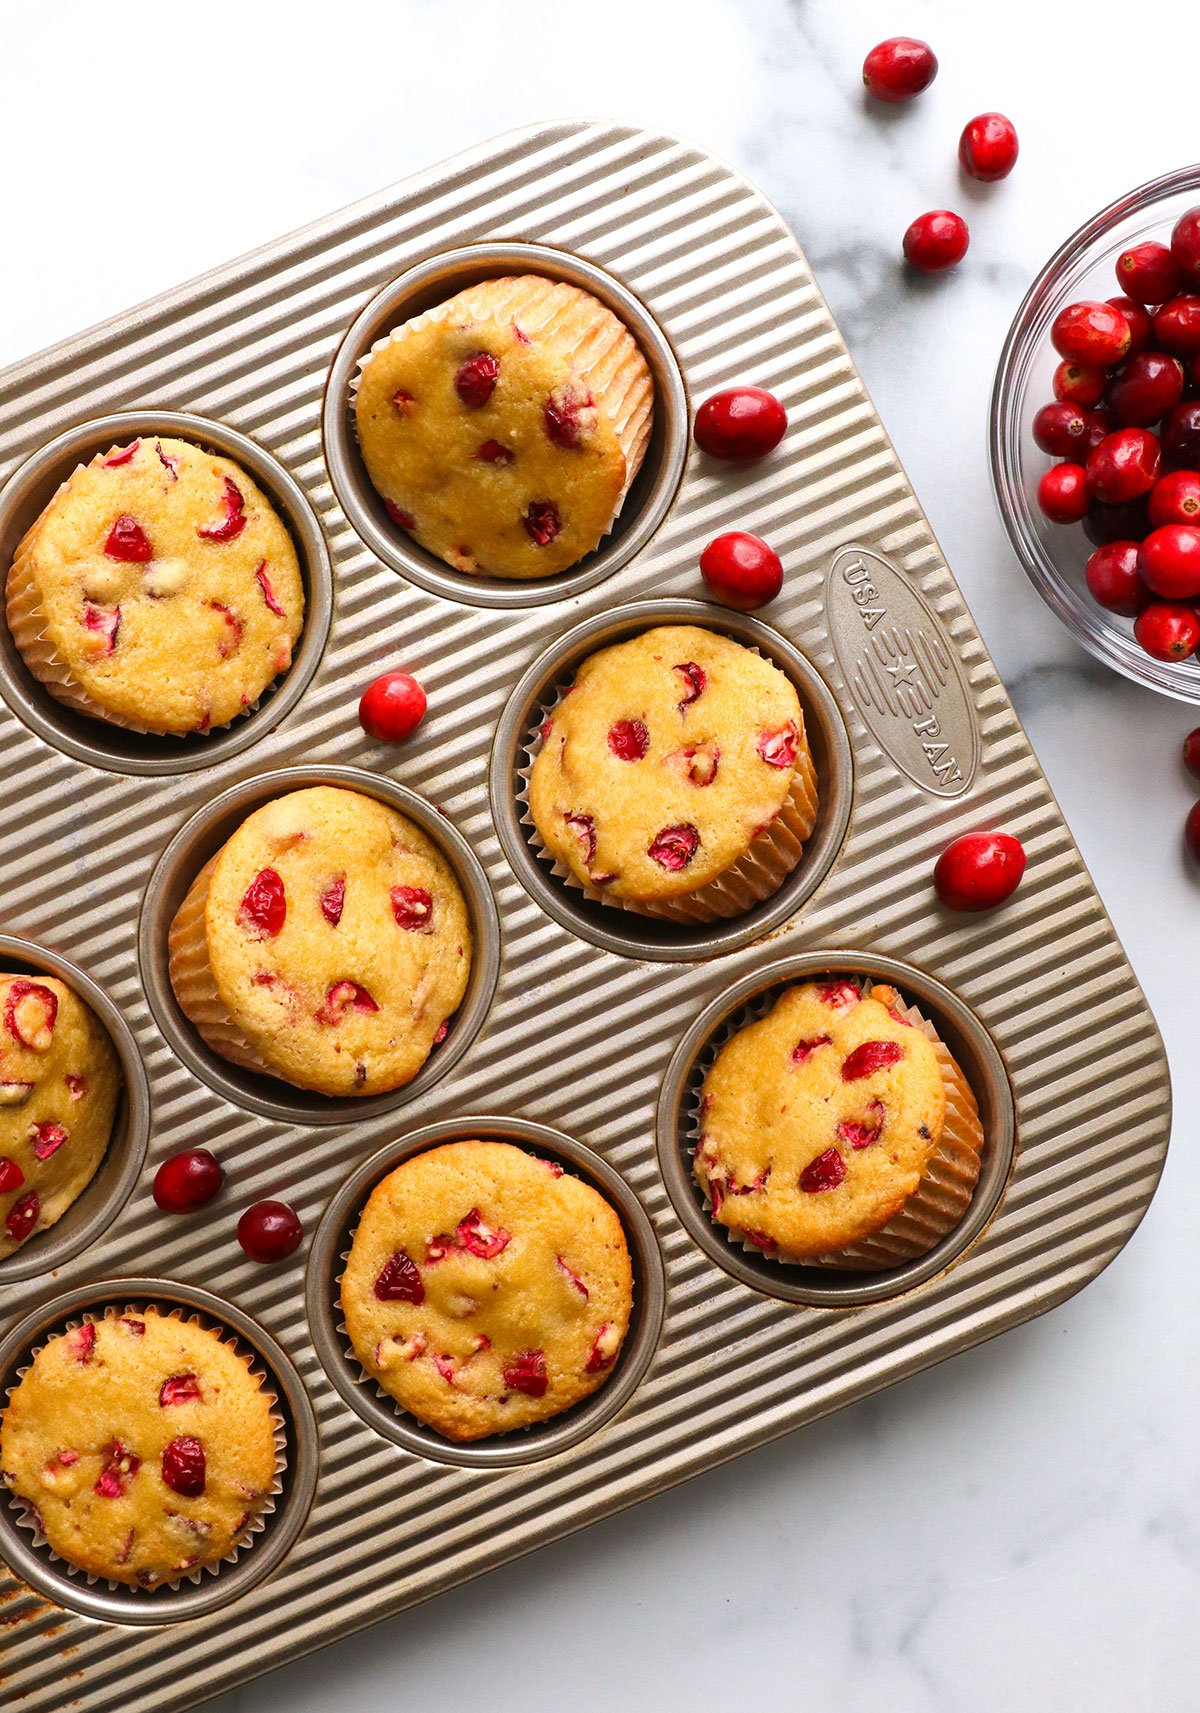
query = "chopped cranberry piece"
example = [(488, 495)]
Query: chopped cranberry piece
[(492, 452), (841, 995), (696, 680), (29, 1014), (405, 519), (179, 1389), (118, 1472), (527, 1373), (105, 622), (48, 1138), (584, 829), (11, 1175), (869, 1057), (268, 593), (778, 749), (232, 640), (122, 457), (805, 1049), (412, 906), (169, 464), (674, 848), (562, 414), (542, 522), (187, 1180), (439, 1035), (16, 1093), (333, 901), (134, 1327), (403, 402), (860, 1133), (233, 520), (269, 1231), (23, 1216), (628, 740), (77, 1086), (67, 1458), (552, 1166), (341, 996), (445, 1368), (480, 1239), (184, 1466), (475, 379), (604, 1349), (573, 1277), (761, 1241), (81, 1341), (698, 762), (128, 542), (400, 1281), (264, 908), (826, 1172)]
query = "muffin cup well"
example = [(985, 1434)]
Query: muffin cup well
[(36, 684), (377, 1408), (265, 1541), (423, 287)]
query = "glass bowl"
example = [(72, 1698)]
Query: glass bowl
[(1054, 555)]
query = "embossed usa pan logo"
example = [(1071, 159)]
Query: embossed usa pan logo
[(900, 672)]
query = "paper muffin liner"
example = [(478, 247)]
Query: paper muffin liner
[(590, 336), (27, 618), (757, 874), (940, 1200), (195, 985), (27, 1518)]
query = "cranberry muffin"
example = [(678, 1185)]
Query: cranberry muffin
[(675, 778), (326, 943), (143, 1446), (838, 1130), (159, 590), (504, 427), (486, 1289), (59, 1083)]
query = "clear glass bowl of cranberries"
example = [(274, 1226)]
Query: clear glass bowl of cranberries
[(1094, 440)]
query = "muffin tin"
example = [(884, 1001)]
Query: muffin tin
[(584, 1027)]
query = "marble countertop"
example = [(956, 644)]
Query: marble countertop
[(1019, 1527)]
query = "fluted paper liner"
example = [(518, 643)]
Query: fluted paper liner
[(27, 1519), (942, 1197), (195, 985)]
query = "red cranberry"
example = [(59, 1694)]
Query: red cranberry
[(1167, 631), (1091, 333), (399, 515), (128, 542), (264, 908), (1191, 752), (1063, 493), (869, 1057), (979, 870), (826, 1172), (674, 848), (1129, 522), (47, 1138), (527, 1373), (988, 147), (1185, 245), (233, 515), (1175, 498), (1115, 580), (494, 452), (1181, 437), (898, 69), (742, 570), (400, 1280), (1177, 325), (1170, 561), (1148, 273), (1144, 389), (1098, 424), (1060, 429), (628, 740), (179, 1389), (392, 707), (11, 1175), (184, 1466), (1124, 466), (1191, 832), (268, 592), (542, 522), (740, 423), (333, 901), (1080, 383), (475, 380), (23, 1216), (562, 418), (412, 906), (187, 1180), (269, 1231), (30, 1012), (695, 679), (1141, 328), (936, 240)]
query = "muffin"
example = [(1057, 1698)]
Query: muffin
[(838, 1130), (675, 778), (503, 428), (486, 1289), (142, 1445), (158, 590), (326, 943), (59, 1082)]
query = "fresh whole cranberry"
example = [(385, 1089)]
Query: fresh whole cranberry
[(1062, 493), (740, 423), (1124, 466), (1098, 424), (1060, 429), (1191, 832), (1185, 245), (988, 147), (1181, 437), (1175, 498), (1191, 752), (977, 871), (184, 1466), (1144, 389), (392, 707), (898, 69), (269, 1231), (475, 379), (187, 1180), (742, 570), (1141, 328), (1148, 273), (1091, 333), (1170, 561), (1080, 383), (1177, 325), (1129, 522), (1114, 579), (1167, 630), (936, 240)]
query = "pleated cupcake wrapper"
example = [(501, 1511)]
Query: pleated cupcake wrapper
[(26, 1518), (601, 350), (26, 621), (940, 1200), (195, 985), (756, 875)]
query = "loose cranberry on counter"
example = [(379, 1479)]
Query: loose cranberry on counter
[(1191, 832), (1177, 325), (898, 69), (1129, 522), (1143, 389), (1080, 383), (1115, 580), (1060, 429), (187, 1180), (269, 1231), (1167, 630), (742, 570), (740, 423), (1092, 333), (988, 147), (1185, 245), (979, 870), (1175, 498), (1124, 466), (936, 240), (1191, 752), (1063, 493), (1170, 561), (1141, 328), (1181, 437), (1148, 273), (392, 707)]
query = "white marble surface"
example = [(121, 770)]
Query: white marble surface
[(1045, 1486)]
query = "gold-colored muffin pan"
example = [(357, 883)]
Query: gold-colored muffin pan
[(584, 1028)]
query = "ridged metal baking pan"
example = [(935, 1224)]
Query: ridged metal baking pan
[(590, 1040)]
